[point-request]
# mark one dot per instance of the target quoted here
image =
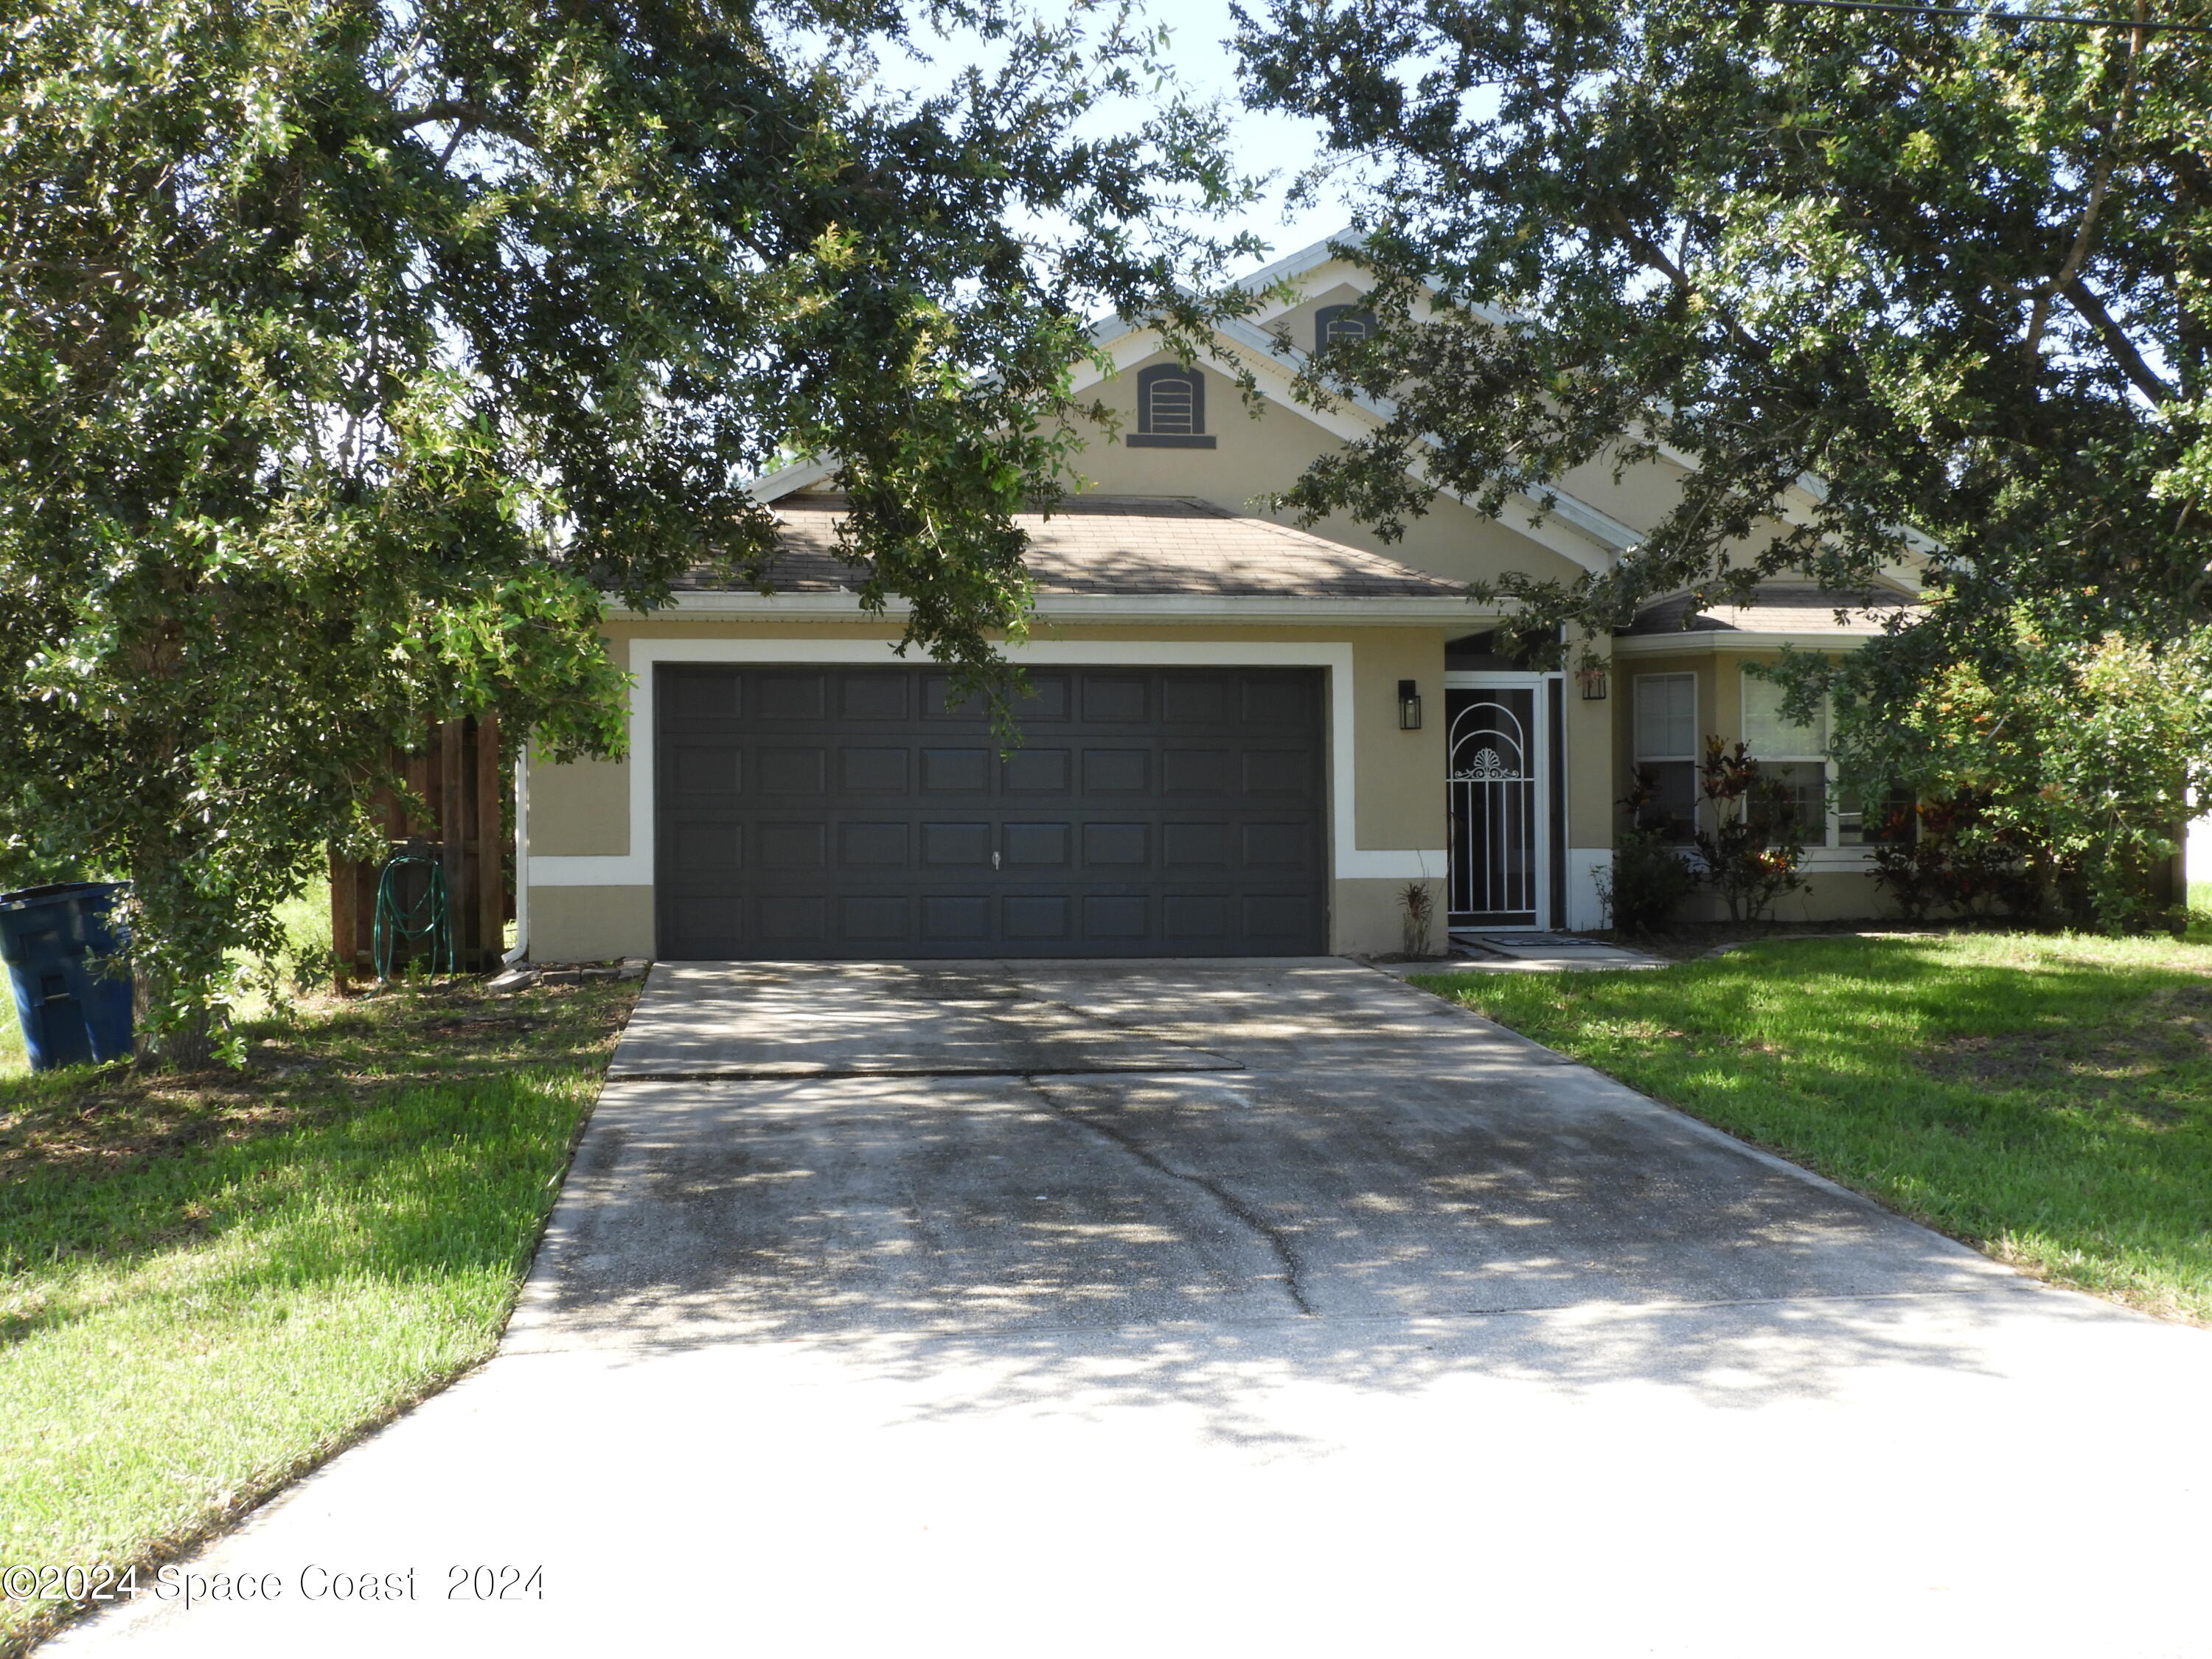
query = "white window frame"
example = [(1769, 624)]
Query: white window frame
[(1636, 719), (1832, 838)]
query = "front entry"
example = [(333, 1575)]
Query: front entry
[(1496, 780)]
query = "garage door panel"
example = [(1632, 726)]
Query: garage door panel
[(972, 709), (1145, 813), (1197, 772), (1194, 845), (1049, 700), (1276, 846), (1116, 916), (788, 771), (1274, 915), (1280, 699), (956, 918), (955, 771), (790, 694), (956, 844), (873, 846), (1034, 916), (873, 919), (1116, 771), (1115, 700), (1030, 844), (1037, 771), (1277, 772), (1198, 700), (704, 924), (865, 696), (697, 768), (787, 846), (705, 696), (874, 771), (1116, 844), (1197, 918), (794, 918), (708, 848)]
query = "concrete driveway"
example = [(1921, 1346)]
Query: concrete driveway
[(1230, 1308)]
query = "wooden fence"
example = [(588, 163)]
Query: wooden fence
[(456, 776)]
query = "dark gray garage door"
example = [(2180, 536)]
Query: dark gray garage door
[(844, 812)]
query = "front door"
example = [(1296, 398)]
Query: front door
[(1493, 777)]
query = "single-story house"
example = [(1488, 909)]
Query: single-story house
[(1242, 736)]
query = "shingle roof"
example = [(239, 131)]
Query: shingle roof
[(1126, 544), (1777, 609)]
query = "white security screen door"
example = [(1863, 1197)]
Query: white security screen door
[(1495, 777)]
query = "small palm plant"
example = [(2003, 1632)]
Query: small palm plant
[(1420, 906)]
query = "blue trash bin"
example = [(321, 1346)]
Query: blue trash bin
[(57, 943)]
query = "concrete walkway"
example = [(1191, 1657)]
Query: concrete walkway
[(1229, 1307)]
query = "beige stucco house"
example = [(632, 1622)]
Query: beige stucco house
[(1243, 737)]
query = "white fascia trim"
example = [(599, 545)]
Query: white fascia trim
[(773, 486), (1187, 610), (1611, 536), (1311, 257), (1734, 639), (1600, 536), (1351, 861)]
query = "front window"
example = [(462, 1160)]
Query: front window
[(1792, 755), (1667, 754), (1858, 824)]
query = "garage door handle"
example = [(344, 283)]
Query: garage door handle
[(995, 861)]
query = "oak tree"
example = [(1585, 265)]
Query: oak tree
[(351, 349)]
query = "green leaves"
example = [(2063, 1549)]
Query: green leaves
[(1954, 271), (1872, 273), (350, 352)]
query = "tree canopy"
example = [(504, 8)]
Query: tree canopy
[(349, 351), (1954, 272)]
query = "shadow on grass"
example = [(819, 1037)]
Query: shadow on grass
[(412, 1129), (2048, 1099)]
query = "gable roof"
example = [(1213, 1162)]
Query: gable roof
[(1560, 522), (1124, 546), (1584, 535), (1776, 608)]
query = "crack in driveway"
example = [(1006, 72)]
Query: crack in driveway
[(1274, 1236)]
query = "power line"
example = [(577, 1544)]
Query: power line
[(1995, 15)]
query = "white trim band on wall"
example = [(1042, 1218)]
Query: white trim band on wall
[(635, 868)]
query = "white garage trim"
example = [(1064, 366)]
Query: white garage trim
[(635, 868)]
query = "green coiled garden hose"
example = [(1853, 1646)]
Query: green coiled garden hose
[(426, 918)]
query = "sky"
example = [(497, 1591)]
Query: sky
[(1262, 142), (1199, 50)]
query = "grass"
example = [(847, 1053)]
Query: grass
[(2046, 1098), (211, 1283)]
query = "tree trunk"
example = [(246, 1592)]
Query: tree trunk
[(189, 1043)]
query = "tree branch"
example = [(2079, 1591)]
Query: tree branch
[(464, 112), (2072, 268), (2122, 350)]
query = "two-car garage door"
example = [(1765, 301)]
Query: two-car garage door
[(830, 812)]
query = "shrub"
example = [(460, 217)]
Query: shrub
[(1754, 845), (1647, 883), (2055, 774), (1947, 854)]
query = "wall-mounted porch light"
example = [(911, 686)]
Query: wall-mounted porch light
[(1409, 705), (1592, 682)]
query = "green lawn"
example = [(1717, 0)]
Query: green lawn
[(2048, 1098), (210, 1284)]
